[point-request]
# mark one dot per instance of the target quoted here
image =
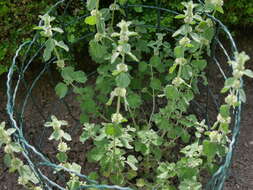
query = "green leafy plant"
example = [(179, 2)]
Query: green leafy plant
[(145, 135)]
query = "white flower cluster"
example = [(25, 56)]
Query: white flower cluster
[(118, 118), (47, 29), (118, 92), (58, 133), (239, 64), (225, 120), (123, 47), (239, 70), (189, 16)]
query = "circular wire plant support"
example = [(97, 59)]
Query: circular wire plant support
[(19, 85)]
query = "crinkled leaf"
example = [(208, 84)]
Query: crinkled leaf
[(49, 49), (179, 52), (67, 137), (132, 161), (123, 80), (155, 84), (171, 92), (62, 156), (91, 4), (62, 45), (79, 76), (61, 89), (248, 73)]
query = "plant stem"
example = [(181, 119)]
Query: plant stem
[(113, 14), (153, 97)]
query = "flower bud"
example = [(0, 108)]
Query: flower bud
[(63, 147), (118, 118), (60, 63), (98, 37), (120, 92), (22, 181), (215, 136), (237, 74), (221, 119), (177, 81), (184, 41), (122, 67), (114, 7), (237, 84), (180, 61), (231, 100), (95, 13)]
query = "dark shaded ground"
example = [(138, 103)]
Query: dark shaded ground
[(47, 103)]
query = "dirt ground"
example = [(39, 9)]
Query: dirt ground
[(241, 175)]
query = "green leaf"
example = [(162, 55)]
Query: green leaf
[(67, 73), (132, 161), (75, 167), (143, 66), (16, 147), (79, 76), (122, 2), (191, 184), (141, 183), (62, 45), (140, 147), (131, 174), (225, 110), (91, 4), (171, 92), (94, 48), (134, 100), (93, 175), (89, 106), (26, 172), (84, 118), (210, 149), (61, 89), (10, 131), (155, 61), (67, 137), (62, 156), (209, 33), (172, 68), (84, 136), (242, 95), (185, 136), (49, 49), (179, 52), (199, 64), (96, 154), (91, 20), (248, 73), (180, 16), (123, 80), (220, 9), (56, 29), (155, 84), (113, 130), (55, 135), (7, 160)]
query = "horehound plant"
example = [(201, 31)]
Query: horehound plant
[(155, 142)]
